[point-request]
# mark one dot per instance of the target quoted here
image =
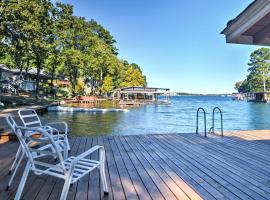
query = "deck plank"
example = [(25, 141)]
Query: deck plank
[(147, 180), (110, 195), (83, 184), (224, 168), (94, 182), (201, 178), (171, 184), (226, 179), (160, 166), (117, 187), (128, 186), (169, 169), (139, 186)]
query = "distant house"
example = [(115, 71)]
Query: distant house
[(25, 81), (62, 83)]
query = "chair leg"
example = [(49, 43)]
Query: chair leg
[(65, 188), (23, 180), (15, 171), (102, 171), (66, 139), (15, 160), (65, 153)]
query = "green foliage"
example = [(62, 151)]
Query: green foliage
[(50, 37), (27, 35), (104, 35), (133, 77), (79, 89), (258, 78), (107, 85), (62, 92)]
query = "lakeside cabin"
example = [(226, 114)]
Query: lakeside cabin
[(9, 78), (136, 96)]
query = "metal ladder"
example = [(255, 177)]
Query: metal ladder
[(197, 121), (212, 129)]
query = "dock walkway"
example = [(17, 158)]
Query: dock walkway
[(161, 166)]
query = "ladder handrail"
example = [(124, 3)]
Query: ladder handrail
[(212, 129), (197, 121)]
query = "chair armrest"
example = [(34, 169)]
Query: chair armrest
[(55, 123), (87, 153), (40, 130)]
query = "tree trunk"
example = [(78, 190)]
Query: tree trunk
[(26, 69), (73, 85), (92, 86), (38, 60), (101, 76), (72, 78), (51, 83), (52, 78)]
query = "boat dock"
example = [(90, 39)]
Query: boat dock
[(138, 96), (161, 166)]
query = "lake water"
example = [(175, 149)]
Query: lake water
[(178, 117)]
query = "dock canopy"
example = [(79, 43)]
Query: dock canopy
[(140, 95), (252, 26), (141, 89)]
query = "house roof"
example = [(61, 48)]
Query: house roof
[(232, 21), (251, 26), (32, 71)]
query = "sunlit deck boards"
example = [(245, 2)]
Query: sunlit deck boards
[(169, 166)]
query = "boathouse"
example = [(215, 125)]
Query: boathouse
[(141, 95)]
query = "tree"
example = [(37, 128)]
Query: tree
[(258, 78), (53, 39), (53, 66), (242, 86), (72, 41), (133, 77), (14, 45), (107, 85), (260, 65), (104, 35)]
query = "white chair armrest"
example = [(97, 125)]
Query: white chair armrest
[(55, 123), (87, 153), (34, 130)]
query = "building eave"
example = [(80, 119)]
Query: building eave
[(235, 30)]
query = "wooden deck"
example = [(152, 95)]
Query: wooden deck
[(164, 166)]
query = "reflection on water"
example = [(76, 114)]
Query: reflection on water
[(179, 116)]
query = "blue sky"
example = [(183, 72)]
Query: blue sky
[(177, 43)]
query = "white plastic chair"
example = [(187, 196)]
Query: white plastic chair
[(20, 153), (31, 119), (71, 169)]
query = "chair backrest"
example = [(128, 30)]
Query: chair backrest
[(29, 118), (31, 153), (11, 122)]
